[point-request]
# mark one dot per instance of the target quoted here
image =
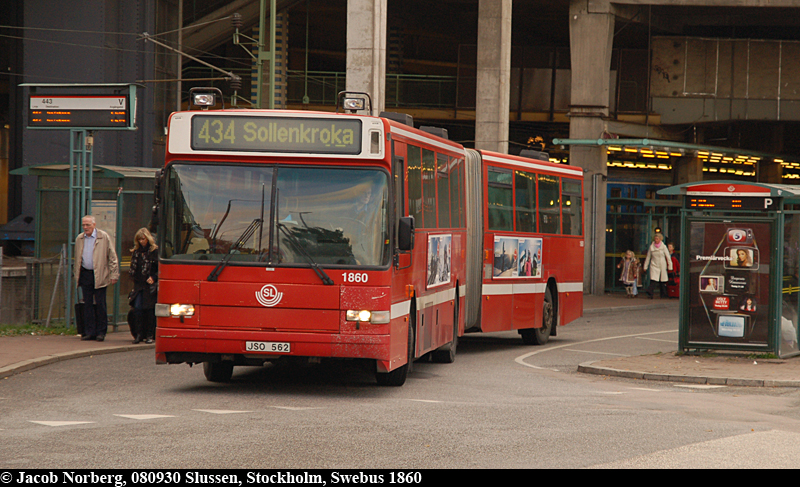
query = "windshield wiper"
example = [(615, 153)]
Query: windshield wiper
[(314, 266), (244, 237)]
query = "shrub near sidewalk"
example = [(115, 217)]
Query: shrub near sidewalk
[(33, 329)]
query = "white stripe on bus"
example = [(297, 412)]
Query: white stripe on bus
[(571, 170), (535, 288), (402, 308)]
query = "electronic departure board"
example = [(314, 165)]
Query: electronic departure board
[(245, 133), (728, 203), (84, 111)]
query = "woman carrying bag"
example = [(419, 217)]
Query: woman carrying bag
[(143, 297)]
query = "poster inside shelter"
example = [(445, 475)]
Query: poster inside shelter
[(728, 280)]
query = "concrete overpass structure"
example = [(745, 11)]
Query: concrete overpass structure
[(734, 61)]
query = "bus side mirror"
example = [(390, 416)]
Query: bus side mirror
[(405, 236)]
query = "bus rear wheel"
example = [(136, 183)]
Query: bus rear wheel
[(218, 371), (397, 377), (540, 336)]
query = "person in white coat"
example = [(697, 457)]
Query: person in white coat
[(659, 264)]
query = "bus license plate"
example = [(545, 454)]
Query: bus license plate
[(268, 347)]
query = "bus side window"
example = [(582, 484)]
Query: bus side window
[(525, 185), (398, 173), (428, 189), (414, 183), (443, 190), (571, 210), (549, 205), (500, 199), (456, 193)]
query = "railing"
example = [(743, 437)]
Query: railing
[(322, 87)]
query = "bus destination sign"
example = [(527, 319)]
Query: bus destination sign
[(243, 133), (89, 111)]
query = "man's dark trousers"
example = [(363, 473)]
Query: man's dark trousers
[(95, 320)]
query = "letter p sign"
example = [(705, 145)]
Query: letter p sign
[(767, 203)]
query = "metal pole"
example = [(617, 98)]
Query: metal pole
[(260, 59), (180, 56), (272, 15)]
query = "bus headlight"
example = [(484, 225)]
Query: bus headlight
[(174, 310), (366, 316)]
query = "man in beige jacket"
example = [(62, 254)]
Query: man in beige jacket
[(95, 268)]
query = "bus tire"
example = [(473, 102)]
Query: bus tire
[(397, 377), (218, 371), (447, 354), (539, 336)]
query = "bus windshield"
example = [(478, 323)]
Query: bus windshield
[(276, 215)]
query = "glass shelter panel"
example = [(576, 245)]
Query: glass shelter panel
[(729, 283), (790, 302)]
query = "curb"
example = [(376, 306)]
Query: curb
[(588, 368), (26, 365)]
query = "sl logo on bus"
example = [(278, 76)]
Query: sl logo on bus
[(269, 296)]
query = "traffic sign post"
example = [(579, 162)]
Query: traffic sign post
[(81, 108)]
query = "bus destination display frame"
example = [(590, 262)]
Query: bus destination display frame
[(246, 133)]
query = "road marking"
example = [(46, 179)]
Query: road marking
[(143, 416), (288, 408), (61, 423), (646, 389), (521, 359), (425, 400), (220, 411), (602, 353), (655, 339)]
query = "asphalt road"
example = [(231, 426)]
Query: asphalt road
[(500, 405)]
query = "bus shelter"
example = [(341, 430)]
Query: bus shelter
[(122, 202), (740, 262)]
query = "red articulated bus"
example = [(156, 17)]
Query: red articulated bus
[(526, 247), (310, 234)]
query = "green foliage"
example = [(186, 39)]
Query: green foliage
[(35, 329)]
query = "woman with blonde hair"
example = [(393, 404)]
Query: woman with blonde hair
[(659, 264), (143, 297)]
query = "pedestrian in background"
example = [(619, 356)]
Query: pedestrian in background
[(143, 297), (659, 263), (673, 285), (95, 267), (630, 273)]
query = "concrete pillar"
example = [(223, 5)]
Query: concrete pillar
[(591, 37), (366, 50), (770, 172), (687, 170), (492, 97)]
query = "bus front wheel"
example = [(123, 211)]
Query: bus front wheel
[(397, 377), (218, 371)]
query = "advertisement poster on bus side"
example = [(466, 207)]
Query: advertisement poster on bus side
[(517, 257), (439, 259), (729, 282)]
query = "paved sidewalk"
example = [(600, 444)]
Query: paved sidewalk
[(21, 353)]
